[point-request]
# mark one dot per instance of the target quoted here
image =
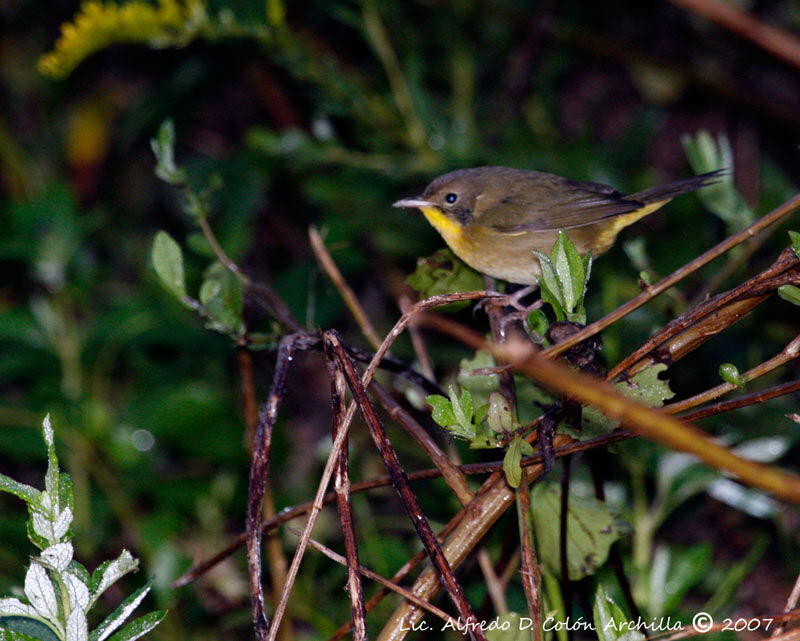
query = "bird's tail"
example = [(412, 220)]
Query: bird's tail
[(671, 190)]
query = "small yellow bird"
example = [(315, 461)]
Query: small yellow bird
[(493, 217)]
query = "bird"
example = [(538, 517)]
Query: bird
[(493, 218)]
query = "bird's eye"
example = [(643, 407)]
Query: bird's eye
[(451, 198)]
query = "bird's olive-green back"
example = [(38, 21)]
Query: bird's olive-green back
[(513, 200)]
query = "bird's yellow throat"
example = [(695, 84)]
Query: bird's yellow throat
[(447, 227)]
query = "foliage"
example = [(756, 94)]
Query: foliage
[(591, 526), (565, 276), (59, 591)]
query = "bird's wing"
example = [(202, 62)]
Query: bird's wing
[(557, 203)]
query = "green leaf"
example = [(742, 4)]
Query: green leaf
[(167, 260), (511, 463), (720, 197), (51, 477), (537, 320), (499, 415), (139, 627), (548, 279), (645, 387), (221, 296), (465, 404), (442, 410), (568, 266), (65, 492), (795, 239), (163, 146), (480, 385), (789, 293), (548, 296), (730, 374), (25, 629), (590, 530), (444, 273), (20, 490), (118, 616), (108, 573), (610, 621)]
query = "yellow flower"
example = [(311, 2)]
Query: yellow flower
[(98, 25)]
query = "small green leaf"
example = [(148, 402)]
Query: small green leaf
[(548, 277), (548, 296), (221, 296), (139, 627), (790, 293), (499, 416), (645, 387), (480, 385), (610, 621), (118, 616), (511, 463), (27, 493), (444, 273), (720, 197), (442, 410), (466, 405), (167, 260), (590, 530), (163, 146), (569, 270), (794, 237), (537, 320), (730, 374)]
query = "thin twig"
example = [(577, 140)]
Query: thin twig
[(265, 294), (742, 401), (341, 485), (404, 302), (258, 475), (530, 568), (713, 315), (382, 45), (293, 512), (454, 478), (679, 274), (791, 351), (345, 291), (654, 424), (791, 604), (275, 558), (780, 43), (397, 589), (334, 349)]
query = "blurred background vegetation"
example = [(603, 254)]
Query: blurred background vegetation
[(325, 113)]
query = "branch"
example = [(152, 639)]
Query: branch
[(334, 350), (779, 42), (654, 424)]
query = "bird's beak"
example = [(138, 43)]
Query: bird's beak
[(413, 202)]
